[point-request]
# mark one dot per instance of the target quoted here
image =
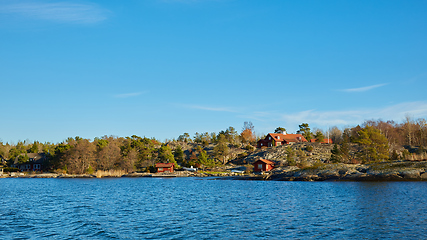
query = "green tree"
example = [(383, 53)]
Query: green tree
[(49, 148), (90, 170), (280, 130), (301, 155), (204, 160), (221, 149), (319, 136), (213, 137), (374, 145), (290, 156), (23, 158), (184, 138), (304, 130), (144, 148), (345, 148), (17, 150), (230, 135), (197, 137), (101, 143), (179, 154), (165, 155), (35, 147), (58, 159), (336, 154)]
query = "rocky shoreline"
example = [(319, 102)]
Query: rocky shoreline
[(385, 171), (132, 175)]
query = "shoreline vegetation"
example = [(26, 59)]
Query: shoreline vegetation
[(384, 171), (374, 150)]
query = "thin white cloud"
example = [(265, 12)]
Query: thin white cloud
[(344, 118), (357, 116), (363, 89), (128, 95), (57, 12)]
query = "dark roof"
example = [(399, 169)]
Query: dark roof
[(38, 157), (166, 165)]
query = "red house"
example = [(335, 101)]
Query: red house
[(277, 139), (263, 165), (164, 167), (325, 140)]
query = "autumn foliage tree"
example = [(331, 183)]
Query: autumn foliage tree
[(247, 135)]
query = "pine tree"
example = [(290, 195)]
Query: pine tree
[(374, 145), (336, 154), (179, 154)]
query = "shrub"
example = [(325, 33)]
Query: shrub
[(394, 155), (249, 148), (90, 170), (291, 162), (303, 164), (151, 169), (406, 154), (10, 169), (316, 165), (309, 148)]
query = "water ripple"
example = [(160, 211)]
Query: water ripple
[(190, 208)]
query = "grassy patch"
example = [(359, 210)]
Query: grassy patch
[(397, 165), (318, 165)]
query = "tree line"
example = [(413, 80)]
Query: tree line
[(78, 155), (377, 140)]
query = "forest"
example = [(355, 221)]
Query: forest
[(378, 140)]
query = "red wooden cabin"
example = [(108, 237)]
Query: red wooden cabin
[(164, 167), (263, 165)]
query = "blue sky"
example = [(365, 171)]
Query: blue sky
[(159, 68)]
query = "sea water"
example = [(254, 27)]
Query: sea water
[(203, 208)]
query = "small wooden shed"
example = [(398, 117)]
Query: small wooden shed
[(164, 167), (263, 165)]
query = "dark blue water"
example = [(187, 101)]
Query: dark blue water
[(190, 208)]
